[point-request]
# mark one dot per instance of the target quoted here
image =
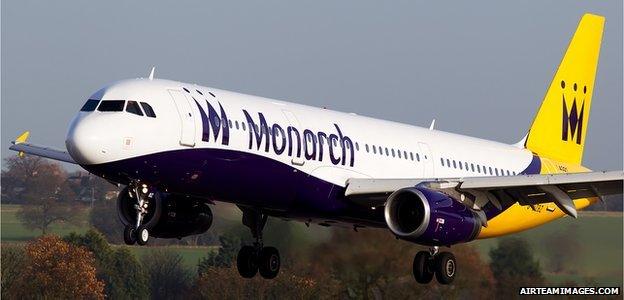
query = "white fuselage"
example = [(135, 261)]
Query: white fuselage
[(380, 150)]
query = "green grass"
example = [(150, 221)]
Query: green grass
[(12, 229), (597, 254)]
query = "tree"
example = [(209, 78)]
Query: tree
[(513, 265), (121, 272), (47, 198), (12, 265), (54, 269), (104, 218), (230, 244), (17, 176), (168, 277)]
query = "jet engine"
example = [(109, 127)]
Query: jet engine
[(169, 216), (428, 217)]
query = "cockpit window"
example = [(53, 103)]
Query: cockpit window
[(148, 110), (133, 108), (90, 105), (111, 105)]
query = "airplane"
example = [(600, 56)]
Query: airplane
[(179, 148)]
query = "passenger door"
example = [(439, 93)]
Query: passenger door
[(427, 160), (187, 121)]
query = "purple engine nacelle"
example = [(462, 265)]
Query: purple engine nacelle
[(428, 217)]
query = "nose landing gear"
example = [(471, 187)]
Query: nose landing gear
[(257, 258), (147, 208), (442, 264)]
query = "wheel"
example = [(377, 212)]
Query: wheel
[(445, 267), (269, 262), (142, 235), (246, 262), (422, 267), (129, 237)]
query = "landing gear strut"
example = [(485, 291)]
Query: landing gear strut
[(442, 264), (257, 258), (147, 207)]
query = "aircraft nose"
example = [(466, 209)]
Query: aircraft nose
[(84, 141)]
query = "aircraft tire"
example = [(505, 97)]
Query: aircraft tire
[(142, 235), (246, 262), (422, 267), (129, 236), (445, 267), (269, 262)]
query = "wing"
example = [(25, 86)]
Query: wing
[(22, 147), (475, 192)]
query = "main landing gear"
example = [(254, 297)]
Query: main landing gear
[(428, 263), (147, 208), (257, 258)]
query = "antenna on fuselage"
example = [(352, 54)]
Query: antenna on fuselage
[(432, 125), (151, 75)]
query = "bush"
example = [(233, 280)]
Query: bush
[(13, 259)]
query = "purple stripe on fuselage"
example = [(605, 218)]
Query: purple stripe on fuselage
[(241, 178)]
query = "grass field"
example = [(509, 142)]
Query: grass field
[(594, 241)]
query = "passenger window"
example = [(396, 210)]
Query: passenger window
[(454, 165), (148, 110), (244, 126), (417, 156), (472, 167), (399, 153), (387, 152), (230, 123), (112, 105), (448, 163), (357, 146), (90, 105), (133, 108), (412, 156), (392, 152), (442, 161), (491, 173), (366, 146), (478, 168), (236, 124), (199, 92), (405, 154), (374, 149), (460, 165)]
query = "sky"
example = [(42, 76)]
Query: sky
[(480, 68)]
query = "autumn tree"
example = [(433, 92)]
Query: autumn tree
[(17, 175), (47, 196), (54, 269)]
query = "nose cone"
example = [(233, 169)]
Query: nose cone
[(85, 142)]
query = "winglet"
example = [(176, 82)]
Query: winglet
[(432, 124), (21, 139)]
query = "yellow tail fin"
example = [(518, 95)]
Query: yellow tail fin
[(559, 128)]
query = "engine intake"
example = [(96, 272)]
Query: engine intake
[(428, 217)]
